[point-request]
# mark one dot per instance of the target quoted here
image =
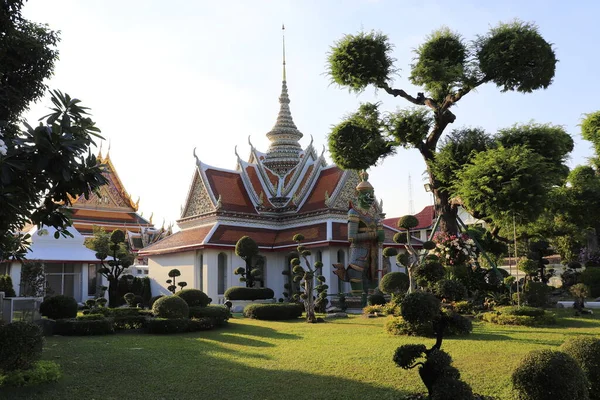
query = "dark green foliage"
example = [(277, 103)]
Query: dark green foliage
[(394, 283), (247, 249), (549, 375), (390, 252), (6, 286), (201, 324), (406, 355), (356, 61), (376, 299), (440, 64), (170, 307), (218, 314), (245, 293), (74, 327), (463, 307), (456, 324), (58, 307), (591, 278), (146, 291), (126, 322), (40, 372), (167, 325), (153, 299), (359, 142), (194, 297), (90, 317), (120, 312), (20, 345), (400, 327), (33, 279), (273, 312), (409, 127), (428, 273), (504, 181), (407, 222), (516, 57), (456, 150), (586, 351), (590, 129), (536, 294), (525, 316), (523, 310), (450, 388), (403, 259), (429, 245), (450, 290), (420, 307)]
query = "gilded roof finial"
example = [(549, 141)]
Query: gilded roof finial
[(283, 37)]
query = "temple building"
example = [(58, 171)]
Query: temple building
[(269, 197)]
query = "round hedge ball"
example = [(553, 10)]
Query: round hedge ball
[(420, 307), (408, 222), (549, 375), (171, 307), (59, 307), (394, 282), (586, 351), (194, 297)]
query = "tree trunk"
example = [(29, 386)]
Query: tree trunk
[(309, 302), (448, 222), (113, 292), (249, 277)]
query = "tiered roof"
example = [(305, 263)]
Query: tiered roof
[(111, 208)]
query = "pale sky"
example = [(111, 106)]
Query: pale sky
[(163, 77)]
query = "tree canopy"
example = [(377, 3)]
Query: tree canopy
[(513, 56)]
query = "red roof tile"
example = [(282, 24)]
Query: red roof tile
[(180, 241), (327, 181), (305, 178), (229, 235), (256, 185), (425, 217), (272, 177), (230, 187)]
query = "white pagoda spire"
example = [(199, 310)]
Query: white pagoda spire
[(284, 151)]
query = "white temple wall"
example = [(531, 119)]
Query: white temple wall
[(160, 265)]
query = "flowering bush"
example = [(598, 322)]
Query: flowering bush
[(454, 249)]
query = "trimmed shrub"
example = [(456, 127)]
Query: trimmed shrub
[(244, 293), (536, 294), (513, 316), (394, 283), (200, 324), (419, 307), (591, 278), (456, 324), (194, 297), (41, 372), (218, 314), (523, 310), (171, 307), (376, 299), (73, 327), (273, 312), (167, 325), (120, 312), (90, 317), (6, 286), (450, 289), (153, 299), (375, 309), (20, 345), (399, 326), (128, 322), (463, 307), (586, 351), (451, 388), (58, 307), (549, 375), (428, 273)]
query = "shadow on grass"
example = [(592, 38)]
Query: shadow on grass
[(260, 331), (175, 367)]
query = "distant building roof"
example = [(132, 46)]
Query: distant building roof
[(426, 217)]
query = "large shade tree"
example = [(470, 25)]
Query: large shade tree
[(41, 168), (513, 56)]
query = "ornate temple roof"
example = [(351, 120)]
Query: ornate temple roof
[(425, 217), (111, 208)]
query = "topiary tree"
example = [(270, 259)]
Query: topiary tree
[(586, 351), (513, 56), (394, 283), (439, 376), (170, 307), (450, 289), (305, 277), (113, 252), (174, 274), (247, 249), (59, 307), (194, 297), (6, 286), (549, 375)]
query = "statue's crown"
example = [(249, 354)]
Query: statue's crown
[(364, 184)]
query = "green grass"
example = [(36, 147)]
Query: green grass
[(343, 359)]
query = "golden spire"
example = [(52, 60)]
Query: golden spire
[(283, 38)]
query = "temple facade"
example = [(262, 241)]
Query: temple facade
[(270, 197)]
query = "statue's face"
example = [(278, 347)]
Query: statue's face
[(366, 199)]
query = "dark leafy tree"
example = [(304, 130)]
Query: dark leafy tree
[(247, 249), (312, 296), (172, 282), (514, 56), (115, 257), (42, 168)]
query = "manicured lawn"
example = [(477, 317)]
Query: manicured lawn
[(344, 359)]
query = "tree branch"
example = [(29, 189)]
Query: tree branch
[(416, 365), (420, 100)]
